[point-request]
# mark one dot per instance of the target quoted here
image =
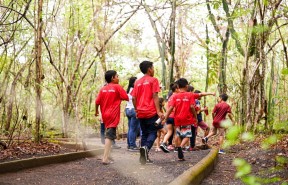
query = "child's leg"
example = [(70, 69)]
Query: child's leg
[(193, 138), (204, 127), (157, 141), (168, 134), (212, 133), (221, 136), (107, 150), (170, 140)]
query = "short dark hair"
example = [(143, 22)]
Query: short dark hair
[(109, 75), (190, 88), (145, 65), (182, 82), (197, 91), (131, 83), (173, 86), (223, 97)]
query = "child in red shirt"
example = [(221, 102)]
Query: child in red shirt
[(146, 102), (219, 115), (184, 116), (109, 100)]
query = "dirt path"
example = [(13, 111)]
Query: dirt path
[(125, 170)]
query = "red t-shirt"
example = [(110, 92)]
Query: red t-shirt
[(220, 110), (109, 99), (170, 100), (143, 91), (182, 102)]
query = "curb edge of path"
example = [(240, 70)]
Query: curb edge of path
[(13, 166), (197, 173)]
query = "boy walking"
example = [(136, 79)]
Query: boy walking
[(219, 115), (185, 117), (146, 103), (109, 100)]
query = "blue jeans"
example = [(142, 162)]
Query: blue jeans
[(149, 131), (102, 134), (133, 127)]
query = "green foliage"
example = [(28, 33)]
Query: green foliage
[(280, 126), (243, 168), (266, 144), (259, 29), (248, 136), (214, 59), (216, 5), (284, 71)]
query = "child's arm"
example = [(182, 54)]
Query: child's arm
[(230, 115), (168, 112), (134, 104), (192, 109), (96, 110), (207, 93), (156, 102)]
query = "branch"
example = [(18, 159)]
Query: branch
[(212, 18), (21, 14), (234, 34)]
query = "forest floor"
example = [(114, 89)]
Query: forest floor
[(127, 170)]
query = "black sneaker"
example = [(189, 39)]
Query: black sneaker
[(143, 155), (164, 148), (149, 161), (204, 140), (133, 149)]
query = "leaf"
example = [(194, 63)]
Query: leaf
[(269, 141), (248, 136), (284, 71), (233, 133)]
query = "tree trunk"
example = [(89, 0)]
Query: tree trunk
[(207, 65), (172, 40), (39, 75)]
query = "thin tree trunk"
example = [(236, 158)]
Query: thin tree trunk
[(172, 39), (39, 75), (207, 65)]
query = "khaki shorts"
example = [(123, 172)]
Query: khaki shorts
[(221, 131)]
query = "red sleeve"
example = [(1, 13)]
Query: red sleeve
[(229, 110), (123, 94), (172, 101), (196, 95), (192, 100), (133, 92), (215, 109), (155, 86), (98, 98)]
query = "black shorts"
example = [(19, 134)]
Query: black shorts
[(170, 121), (110, 133)]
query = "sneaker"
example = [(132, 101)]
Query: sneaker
[(116, 146), (175, 149), (143, 155), (190, 149), (221, 152), (133, 149), (149, 161), (204, 140), (170, 147), (164, 148)]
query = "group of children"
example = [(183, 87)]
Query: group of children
[(183, 113)]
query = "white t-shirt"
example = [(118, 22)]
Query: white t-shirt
[(130, 103)]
